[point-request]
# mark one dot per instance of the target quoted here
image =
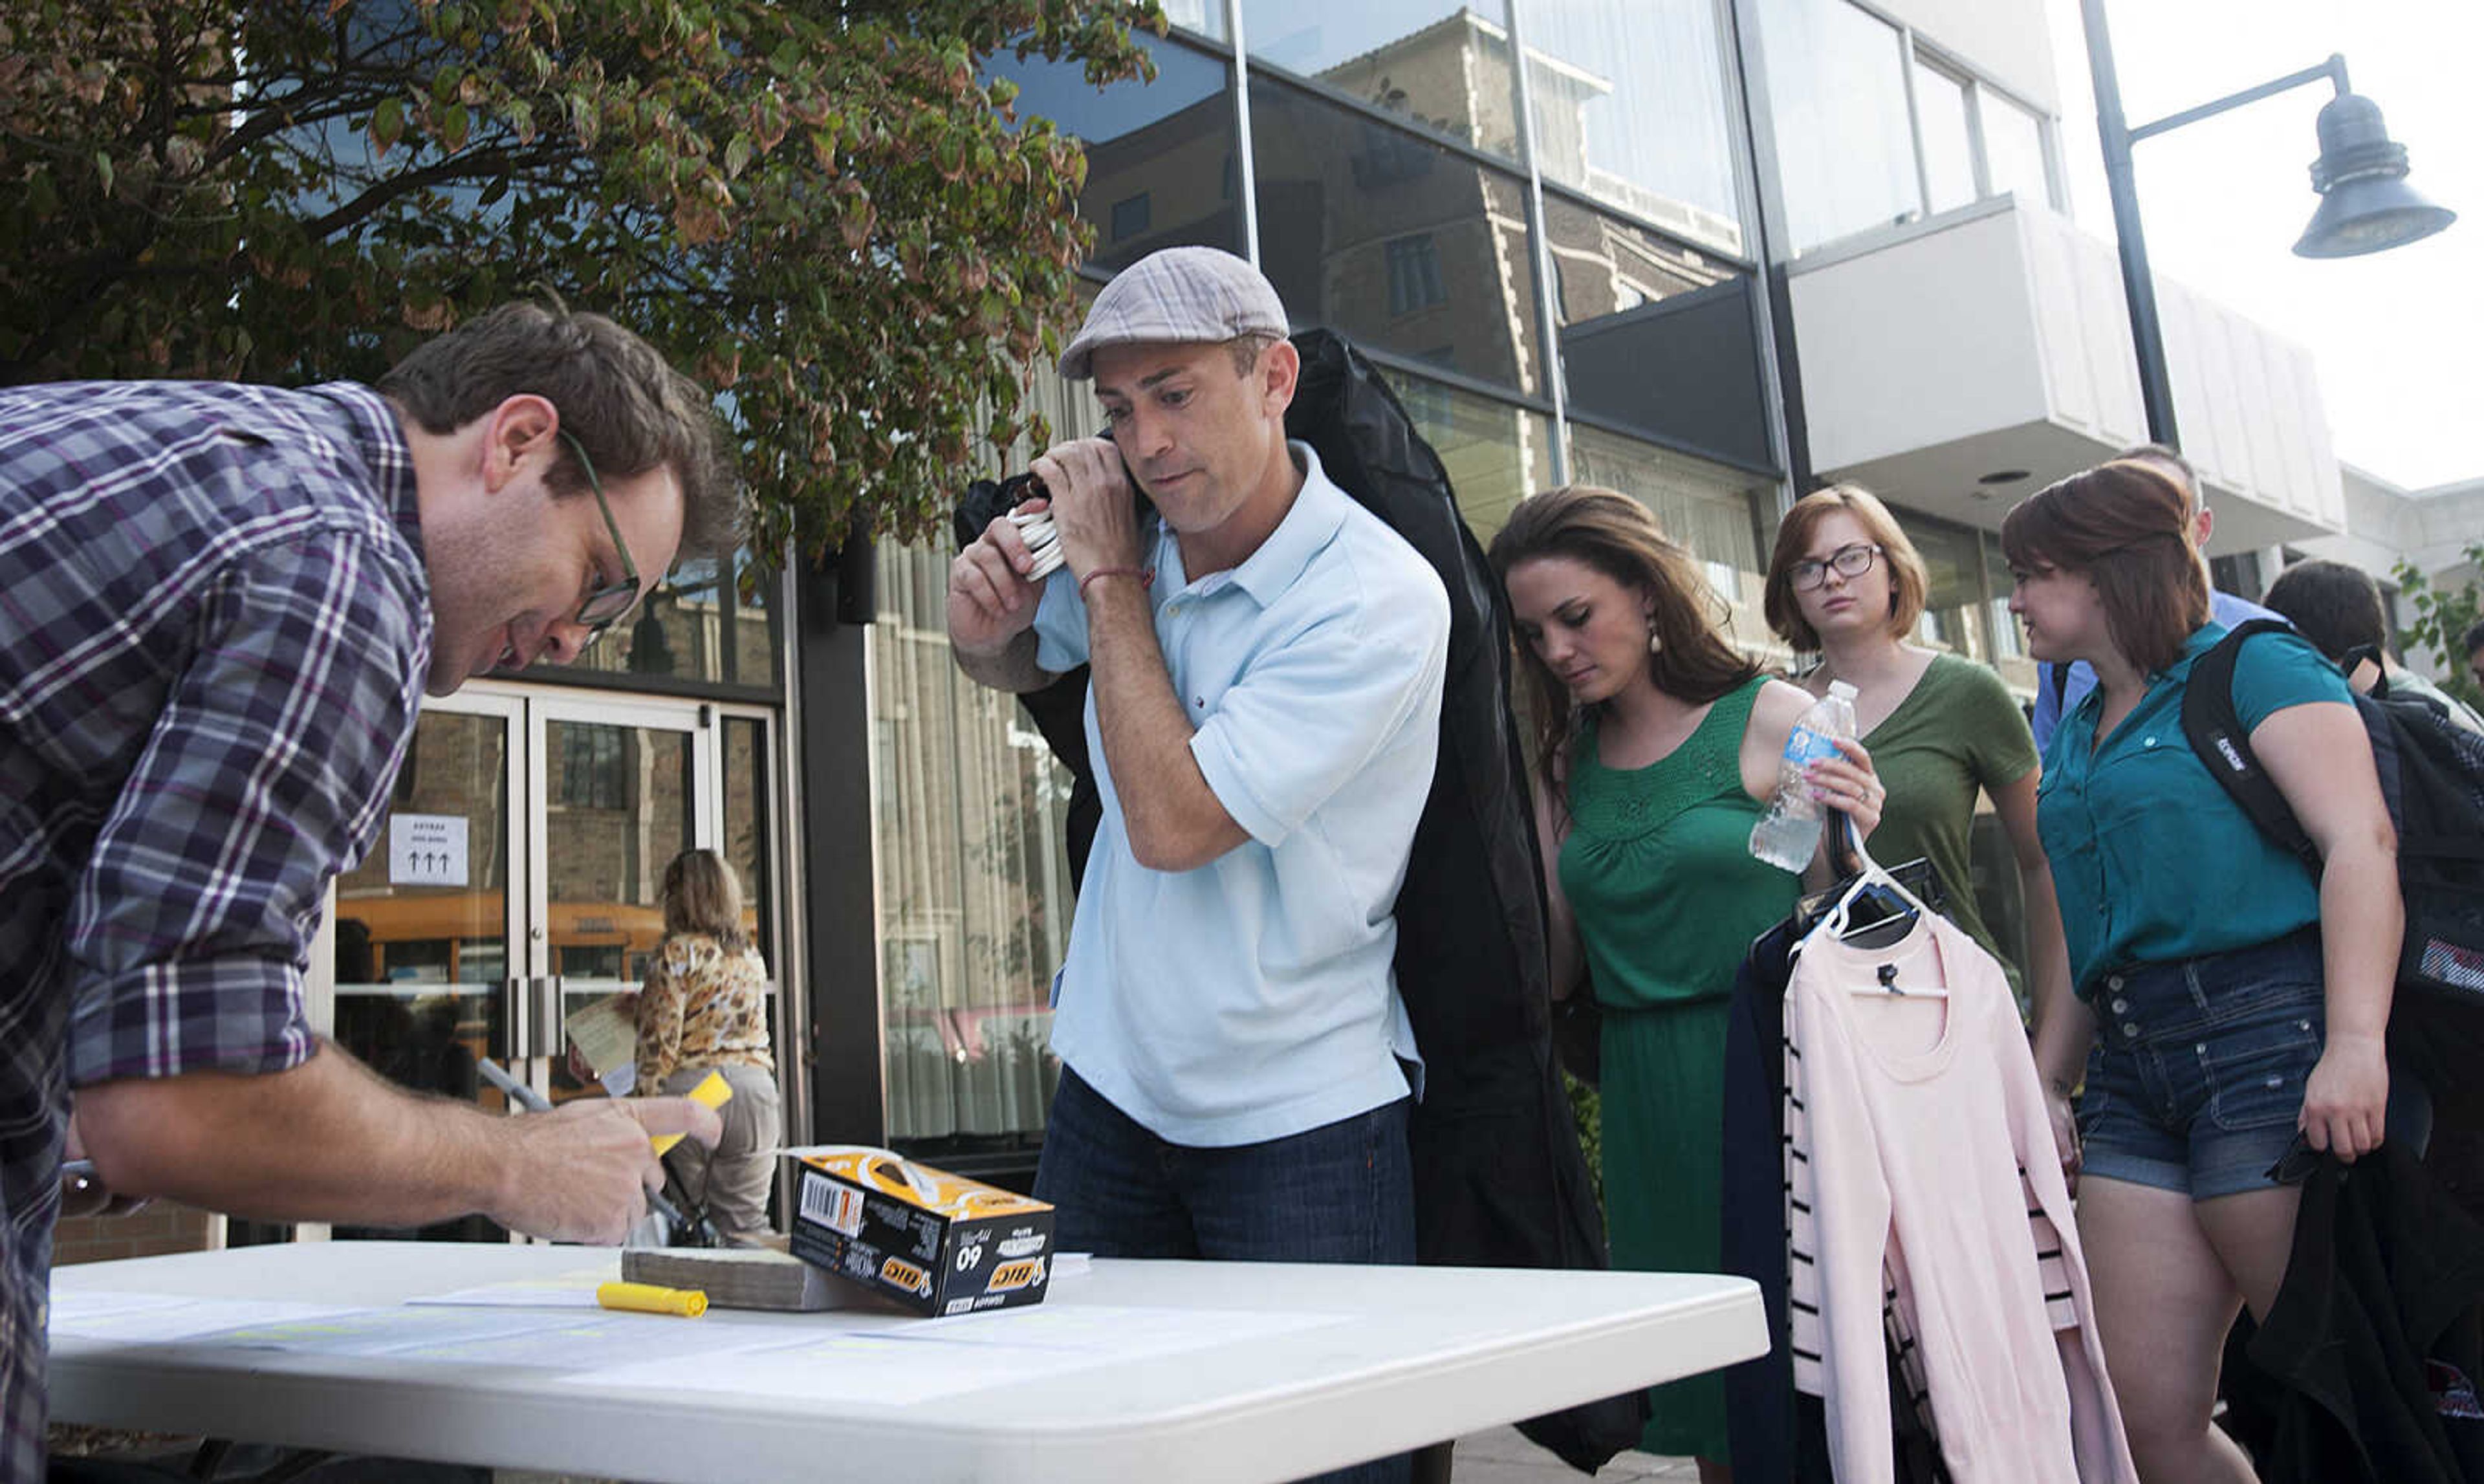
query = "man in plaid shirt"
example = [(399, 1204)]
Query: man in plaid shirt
[(219, 607)]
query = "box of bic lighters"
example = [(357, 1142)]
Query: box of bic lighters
[(935, 1242)]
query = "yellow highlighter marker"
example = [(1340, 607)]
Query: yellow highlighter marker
[(715, 1091), (652, 1299)]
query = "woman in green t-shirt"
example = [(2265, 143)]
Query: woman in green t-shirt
[(2228, 997), (1844, 584), (1660, 744)]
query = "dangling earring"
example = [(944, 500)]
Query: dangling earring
[(1655, 642)]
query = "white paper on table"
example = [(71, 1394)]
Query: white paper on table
[(157, 1318), (573, 1289), (894, 1365), (405, 1328), (566, 1343)]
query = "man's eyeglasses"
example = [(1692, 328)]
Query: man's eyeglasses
[(606, 602), (1849, 561)]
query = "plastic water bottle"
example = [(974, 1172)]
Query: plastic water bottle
[(1788, 834)]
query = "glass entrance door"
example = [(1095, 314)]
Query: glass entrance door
[(625, 788), (517, 880), (423, 926)]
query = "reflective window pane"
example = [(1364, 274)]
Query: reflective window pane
[(1838, 96), (2013, 150), (1442, 67), (1705, 506), (419, 967), (1496, 454), (975, 896), (2010, 654), (622, 801), (697, 625), (749, 845), (1656, 337), (1953, 602), (1159, 155), (1397, 243), (1204, 17), (1629, 107), (1949, 143)]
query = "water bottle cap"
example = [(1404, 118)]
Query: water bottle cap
[(1841, 690)]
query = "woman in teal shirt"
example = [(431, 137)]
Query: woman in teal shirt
[(1660, 744), (2226, 997)]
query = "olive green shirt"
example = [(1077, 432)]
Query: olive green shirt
[(1956, 733)]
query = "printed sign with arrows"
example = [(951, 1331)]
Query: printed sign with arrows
[(426, 849)]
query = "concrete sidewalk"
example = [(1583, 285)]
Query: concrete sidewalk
[(1502, 1456)]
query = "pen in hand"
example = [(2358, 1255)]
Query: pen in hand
[(533, 1101)]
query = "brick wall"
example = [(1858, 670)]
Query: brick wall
[(162, 1228)]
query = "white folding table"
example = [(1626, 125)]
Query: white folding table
[(1128, 1370)]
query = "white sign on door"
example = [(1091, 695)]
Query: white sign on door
[(426, 849)]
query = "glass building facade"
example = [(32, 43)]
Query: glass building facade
[(1556, 265)]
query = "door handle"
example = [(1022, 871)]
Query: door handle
[(531, 1010)]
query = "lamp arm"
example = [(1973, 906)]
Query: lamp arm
[(2334, 69)]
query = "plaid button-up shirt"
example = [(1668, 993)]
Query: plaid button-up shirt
[(215, 630)]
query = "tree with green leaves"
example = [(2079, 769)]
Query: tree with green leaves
[(826, 210), (2443, 617)]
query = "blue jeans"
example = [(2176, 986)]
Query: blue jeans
[(1341, 1193)]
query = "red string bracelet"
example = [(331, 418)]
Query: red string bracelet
[(1145, 574)]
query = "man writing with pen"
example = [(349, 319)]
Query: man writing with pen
[(220, 606)]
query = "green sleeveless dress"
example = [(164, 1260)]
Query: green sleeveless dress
[(1658, 871)]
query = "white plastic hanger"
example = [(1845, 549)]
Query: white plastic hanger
[(1871, 875)]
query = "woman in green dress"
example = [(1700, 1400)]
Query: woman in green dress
[(1844, 584), (1660, 744)]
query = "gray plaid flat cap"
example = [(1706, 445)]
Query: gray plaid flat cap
[(1177, 296)]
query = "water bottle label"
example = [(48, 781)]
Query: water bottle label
[(1807, 745)]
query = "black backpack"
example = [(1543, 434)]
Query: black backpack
[(2432, 775)]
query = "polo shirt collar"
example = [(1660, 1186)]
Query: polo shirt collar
[(1317, 512)]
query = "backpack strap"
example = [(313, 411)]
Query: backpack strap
[(2058, 675), (2217, 735)]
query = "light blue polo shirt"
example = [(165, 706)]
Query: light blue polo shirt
[(2152, 860), (1252, 998)]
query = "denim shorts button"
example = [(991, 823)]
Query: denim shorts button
[(2130, 1027), (2121, 1006), (2112, 981), (2303, 1025), (2200, 1046)]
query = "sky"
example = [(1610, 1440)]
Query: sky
[(2399, 336)]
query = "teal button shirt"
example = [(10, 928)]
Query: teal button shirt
[(2151, 860)]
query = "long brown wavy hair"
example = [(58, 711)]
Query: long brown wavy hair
[(1617, 536)]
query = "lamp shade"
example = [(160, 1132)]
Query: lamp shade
[(2366, 204)]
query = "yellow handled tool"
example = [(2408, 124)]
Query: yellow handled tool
[(652, 1299), (714, 1091)]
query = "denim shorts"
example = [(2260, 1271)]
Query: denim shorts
[(2196, 1080)]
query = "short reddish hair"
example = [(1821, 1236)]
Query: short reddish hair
[(2128, 525), (1909, 581)]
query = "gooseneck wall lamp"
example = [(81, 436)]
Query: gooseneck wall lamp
[(2366, 204)]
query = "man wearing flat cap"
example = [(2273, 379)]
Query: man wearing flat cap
[(1267, 662)]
